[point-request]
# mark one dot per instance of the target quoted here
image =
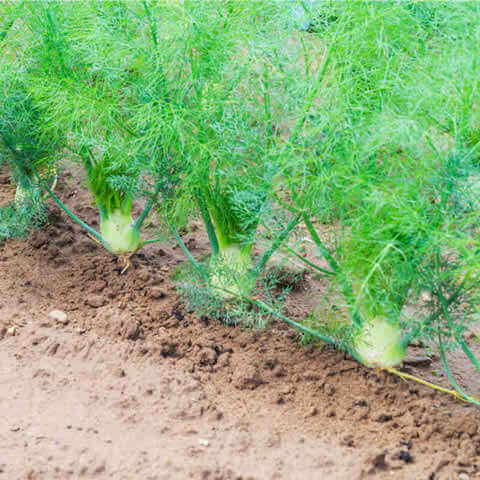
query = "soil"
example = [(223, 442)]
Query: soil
[(126, 384)]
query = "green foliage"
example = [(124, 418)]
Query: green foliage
[(18, 221), (23, 144), (206, 303)]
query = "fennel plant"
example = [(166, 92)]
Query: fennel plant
[(80, 76), (378, 199)]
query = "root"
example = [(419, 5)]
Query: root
[(407, 376), (126, 261), (96, 240)]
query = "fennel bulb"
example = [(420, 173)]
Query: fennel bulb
[(379, 343), (118, 232)]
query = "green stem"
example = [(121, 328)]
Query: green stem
[(207, 220), (459, 339), (9, 24), (323, 249), (152, 240), (450, 377), (59, 202), (308, 262), (311, 97), (276, 243), (346, 287), (123, 126), (80, 222), (148, 207), (293, 323), (469, 354), (190, 257), (434, 315), (154, 35), (301, 327)]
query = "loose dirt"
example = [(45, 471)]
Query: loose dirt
[(131, 386)]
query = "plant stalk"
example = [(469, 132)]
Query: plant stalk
[(276, 244), (148, 207)]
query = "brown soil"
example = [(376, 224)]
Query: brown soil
[(131, 386)]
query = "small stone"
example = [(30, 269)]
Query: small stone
[(132, 331), (203, 442), (383, 418), (95, 301), (463, 476), (417, 360), (313, 411), (12, 331), (59, 317), (405, 456), (331, 413), (287, 389), (347, 440), (119, 372)]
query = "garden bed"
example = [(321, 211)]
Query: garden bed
[(133, 386)]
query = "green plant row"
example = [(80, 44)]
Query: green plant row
[(343, 134)]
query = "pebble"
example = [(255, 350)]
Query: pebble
[(119, 372), (12, 331), (347, 440), (203, 442), (95, 301), (463, 476), (313, 411), (417, 360), (59, 317)]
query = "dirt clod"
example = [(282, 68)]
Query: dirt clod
[(378, 461), (157, 293), (247, 378)]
